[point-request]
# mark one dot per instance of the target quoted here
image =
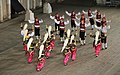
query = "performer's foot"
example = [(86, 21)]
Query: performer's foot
[(65, 64), (73, 60), (97, 55), (105, 47), (29, 62)]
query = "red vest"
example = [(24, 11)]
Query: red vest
[(103, 23), (37, 24), (82, 26), (73, 16), (98, 16), (57, 18), (62, 25), (89, 14)]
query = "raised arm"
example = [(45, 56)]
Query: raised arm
[(62, 16), (94, 12), (78, 13), (69, 14), (58, 22), (84, 12), (41, 21), (52, 17), (67, 22), (77, 24), (87, 24)]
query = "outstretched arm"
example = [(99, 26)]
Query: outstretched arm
[(87, 24), (41, 21), (77, 24), (97, 20), (69, 14), (52, 17), (62, 16), (67, 22), (84, 12), (78, 13), (58, 22)]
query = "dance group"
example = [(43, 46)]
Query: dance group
[(79, 21)]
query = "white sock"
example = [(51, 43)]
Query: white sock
[(85, 34), (57, 32), (84, 41), (92, 26), (37, 37), (103, 45)]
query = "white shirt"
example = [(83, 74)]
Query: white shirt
[(69, 14), (32, 21), (58, 22), (78, 24), (53, 17)]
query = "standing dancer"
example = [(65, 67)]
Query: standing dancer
[(83, 26), (62, 27), (37, 26), (73, 16), (90, 16), (98, 19), (57, 17), (103, 30)]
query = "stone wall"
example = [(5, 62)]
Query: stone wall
[(5, 10), (6, 5)]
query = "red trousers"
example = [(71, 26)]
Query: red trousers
[(74, 54), (30, 56), (25, 47), (97, 49), (47, 51), (52, 43), (67, 56), (41, 64)]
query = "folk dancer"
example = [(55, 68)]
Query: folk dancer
[(73, 16), (30, 50), (83, 26), (41, 59), (97, 42), (73, 47), (91, 15), (57, 17), (103, 30), (37, 23), (62, 24)]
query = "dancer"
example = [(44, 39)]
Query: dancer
[(62, 24)]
